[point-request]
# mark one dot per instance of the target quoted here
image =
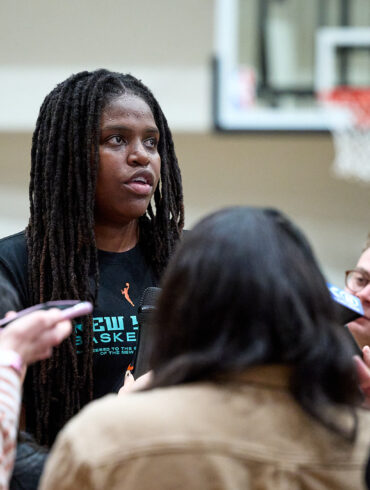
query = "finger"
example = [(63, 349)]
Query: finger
[(129, 379), (63, 331), (363, 373), (366, 355), (360, 330), (143, 381), (54, 336), (60, 332), (10, 314), (35, 323), (128, 383)]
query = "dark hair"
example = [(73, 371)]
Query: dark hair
[(60, 235), (244, 289)]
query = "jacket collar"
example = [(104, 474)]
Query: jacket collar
[(273, 375)]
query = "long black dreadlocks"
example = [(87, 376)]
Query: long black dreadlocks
[(61, 244)]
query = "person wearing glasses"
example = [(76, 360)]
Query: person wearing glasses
[(357, 282)]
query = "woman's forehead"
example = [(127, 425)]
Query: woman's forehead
[(126, 103), (364, 260), (127, 108)]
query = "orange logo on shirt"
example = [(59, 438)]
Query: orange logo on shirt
[(126, 295)]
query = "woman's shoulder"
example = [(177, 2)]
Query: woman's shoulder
[(13, 245), (126, 415), (13, 269), (13, 254)]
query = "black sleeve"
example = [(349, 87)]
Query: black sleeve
[(14, 294), (9, 296), (29, 463)]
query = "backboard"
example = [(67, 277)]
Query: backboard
[(272, 57)]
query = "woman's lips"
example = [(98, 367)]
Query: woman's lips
[(138, 187), (141, 182)]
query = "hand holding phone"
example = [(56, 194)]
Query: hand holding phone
[(32, 333), (70, 309)]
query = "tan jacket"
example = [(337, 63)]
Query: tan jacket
[(244, 435)]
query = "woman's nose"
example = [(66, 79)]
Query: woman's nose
[(138, 155)]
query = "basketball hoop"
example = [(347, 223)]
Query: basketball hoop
[(352, 139)]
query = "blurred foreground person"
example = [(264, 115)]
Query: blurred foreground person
[(22, 342), (253, 384)]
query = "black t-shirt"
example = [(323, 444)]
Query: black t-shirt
[(123, 279)]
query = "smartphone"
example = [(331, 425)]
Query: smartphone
[(70, 308)]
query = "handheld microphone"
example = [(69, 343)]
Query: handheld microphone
[(146, 308), (349, 307)]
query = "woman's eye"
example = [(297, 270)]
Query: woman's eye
[(151, 142), (116, 140)]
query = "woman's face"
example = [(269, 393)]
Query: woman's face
[(129, 162)]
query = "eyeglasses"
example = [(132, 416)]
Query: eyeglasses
[(356, 280)]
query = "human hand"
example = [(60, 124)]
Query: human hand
[(34, 336), (360, 329), (363, 373), (10, 314), (131, 384)]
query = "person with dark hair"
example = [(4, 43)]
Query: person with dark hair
[(253, 382), (106, 210)]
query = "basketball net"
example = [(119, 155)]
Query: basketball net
[(352, 140)]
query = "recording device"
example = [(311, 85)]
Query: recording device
[(349, 307), (146, 308), (70, 309)]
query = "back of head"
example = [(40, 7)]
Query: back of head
[(244, 289)]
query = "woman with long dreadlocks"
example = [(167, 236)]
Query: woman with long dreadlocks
[(101, 151)]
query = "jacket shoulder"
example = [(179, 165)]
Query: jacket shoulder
[(11, 240), (13, 244), (14, 266)]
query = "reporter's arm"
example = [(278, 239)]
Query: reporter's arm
[(26, 340), (10, 398), (34, 336)]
